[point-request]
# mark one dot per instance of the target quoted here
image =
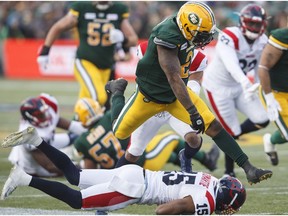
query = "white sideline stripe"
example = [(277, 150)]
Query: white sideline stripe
[(29, 211)]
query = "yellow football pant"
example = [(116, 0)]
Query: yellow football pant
[(92, 80)]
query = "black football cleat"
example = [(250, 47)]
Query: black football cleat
[(255, 175)]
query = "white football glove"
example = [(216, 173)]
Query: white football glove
[(76, 127), (116, 36), (250, 90), (273, 107), (43, 61)]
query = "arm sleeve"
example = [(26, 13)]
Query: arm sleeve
[(231, 62)]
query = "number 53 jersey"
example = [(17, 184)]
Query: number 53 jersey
[(162, 187)]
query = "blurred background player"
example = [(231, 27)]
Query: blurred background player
[(149, 129), (42, 112), (273, 76), (107, 190), (225, 80), (101, 25)]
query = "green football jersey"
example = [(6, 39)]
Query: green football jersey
[(150, 77), (101, 146), (279, 73), (93, 28)]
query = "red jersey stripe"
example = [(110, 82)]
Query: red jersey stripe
[(234, 38), (211, 100), (50, 103), (197, 61), (103, 200), (143, 47), (211, 202)]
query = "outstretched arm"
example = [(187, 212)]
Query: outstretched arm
[(67, 22), (179, 206), (129, 33)]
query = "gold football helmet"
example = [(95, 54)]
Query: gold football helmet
[(197, 23), (88, 111)]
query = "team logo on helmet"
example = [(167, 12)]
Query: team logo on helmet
[(193, 18)]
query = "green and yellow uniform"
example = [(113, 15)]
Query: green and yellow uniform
[(154, 93), (279, 79), (95, 53), (101, 146), (279, 73)]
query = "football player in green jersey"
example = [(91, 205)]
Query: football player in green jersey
[(99, 148), (273, 76), (162, 75), (101, 25)]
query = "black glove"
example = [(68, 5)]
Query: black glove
[(196, 120)]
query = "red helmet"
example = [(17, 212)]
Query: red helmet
[(230, 197), (253, 21), (35, 111)]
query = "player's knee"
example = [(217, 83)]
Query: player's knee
[(120, 135), (193, 140), (130, 157), (214, 128)]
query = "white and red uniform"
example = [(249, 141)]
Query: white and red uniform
[(156, 187), (227, 73), (143, 134), (21, 155)]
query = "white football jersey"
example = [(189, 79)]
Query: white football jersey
[(20, 155), (163, 187), (234, 58)]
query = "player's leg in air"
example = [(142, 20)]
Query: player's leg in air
[(95, 184)]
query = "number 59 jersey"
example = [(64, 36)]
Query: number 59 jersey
[(162, 187), (234, 57)]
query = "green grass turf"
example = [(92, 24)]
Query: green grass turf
[(268, 197)]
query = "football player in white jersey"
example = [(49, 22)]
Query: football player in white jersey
[(42, 112), (227, 86), (144, 134), (174, 192)]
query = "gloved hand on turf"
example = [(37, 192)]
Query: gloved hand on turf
[(43, 58), (197, 121), (273, 107), (116, 36)]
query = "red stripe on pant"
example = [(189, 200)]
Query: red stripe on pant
[(212, 102), (103, 200)]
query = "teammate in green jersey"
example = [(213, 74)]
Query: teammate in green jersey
[(101, 25), (162, 75), (99, 148), (273, 76)]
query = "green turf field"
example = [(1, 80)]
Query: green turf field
[(268, 197)]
